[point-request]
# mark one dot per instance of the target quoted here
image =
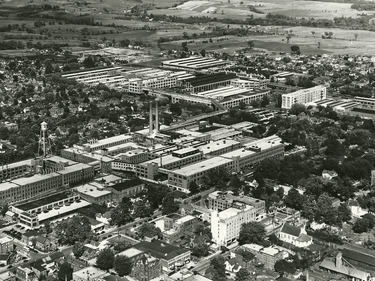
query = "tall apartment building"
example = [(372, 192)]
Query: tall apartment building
[(219, 201), (226, 225), (304, 96)]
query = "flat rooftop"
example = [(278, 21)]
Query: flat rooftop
[(114, 148), (316, 88), (92, 190), (264, 143), (62, 210), (107, 141), (15, 164), (35, 178), (132, 252), (94, 156), (57, 159), (185, 219), (126, 184), (239, 152), (202, 166), (231, 212), (89, 273), (220, 93), (217, 145), (73, 168), (7, 185), (42, 202)]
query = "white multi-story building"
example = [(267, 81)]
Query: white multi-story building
[(226, 225), (304, 96)]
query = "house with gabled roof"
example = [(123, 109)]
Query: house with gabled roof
[(232, 265), (294, 235)]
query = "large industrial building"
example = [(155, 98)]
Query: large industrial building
[(194, 63), (232, 96), (207, 82), (304, 96), (181, 178), (41, 183)]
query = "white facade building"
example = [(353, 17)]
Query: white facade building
[(226, 225), (304, 96)]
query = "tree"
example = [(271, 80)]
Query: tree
[(113, 117), (4, 209), (265, 101), (122, 265), (288, 38), (218, 265), (121, 215), (175, 108), (48, 67), (169, 205), (78, 249), (148, 229), (344, 212), (193, 187), (251, 232), (142, 209), (124, 43), (250, 44), (78, 228), (361, 225), (294, 199), (73, 139), (156, 194), (65, 272), (200, 250), (105, 259), (356, 36), (243, 275), (297, 109), (295, 49), (203, 53), (313, 33), (121, 246)]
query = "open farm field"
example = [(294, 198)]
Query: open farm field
[(240, 9), (237, 43)]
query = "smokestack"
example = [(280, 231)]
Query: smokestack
[(156, 117), (150, 129)]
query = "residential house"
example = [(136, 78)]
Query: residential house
[(294, 235), (233, 265), (329, 174), (43, 243)]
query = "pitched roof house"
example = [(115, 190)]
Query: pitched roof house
[(294, 235)]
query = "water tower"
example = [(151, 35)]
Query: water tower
[(44, 142)]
